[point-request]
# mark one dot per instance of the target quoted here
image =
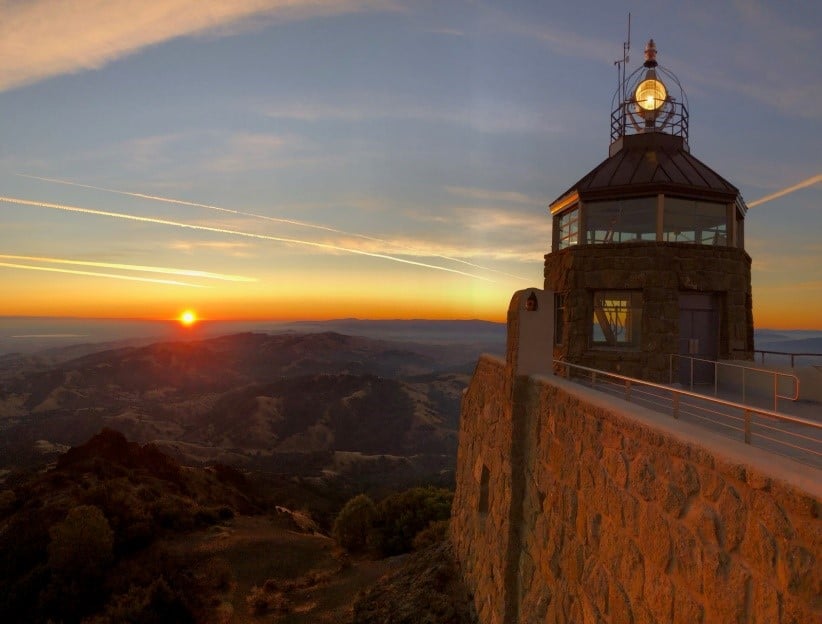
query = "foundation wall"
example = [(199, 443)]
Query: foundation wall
[(597, 510)]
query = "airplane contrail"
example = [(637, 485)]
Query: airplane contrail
[(305, 224), (205, 228), (134, 267), (785, 191), (14, 265)]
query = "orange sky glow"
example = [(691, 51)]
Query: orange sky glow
[(374, 159)]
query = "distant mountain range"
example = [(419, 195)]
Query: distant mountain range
[(291, 403), (29, 335)]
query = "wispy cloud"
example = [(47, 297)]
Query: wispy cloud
[(495, 250), (482, 115), (486, 195), (132, 267), (131, 278), (259, 152), (328, 247), (771, 55), (558, 38), (379, 247), (44, 38), (237, 249), (813, 180)]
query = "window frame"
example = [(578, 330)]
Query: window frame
[(630, 310)]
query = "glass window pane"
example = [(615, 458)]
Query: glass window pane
[(691, 221), (620, 221), (617, 318), (568, 225)]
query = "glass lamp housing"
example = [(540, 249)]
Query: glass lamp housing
[(650, 94)]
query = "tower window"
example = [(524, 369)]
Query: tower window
[(620, 221), (699, 222), (567, 228), (617, 318)]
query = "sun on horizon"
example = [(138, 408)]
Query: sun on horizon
[(188, 318)]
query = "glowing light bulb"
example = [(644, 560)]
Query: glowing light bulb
[(650, 94)]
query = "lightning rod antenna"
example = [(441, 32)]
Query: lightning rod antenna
[(622, 65)]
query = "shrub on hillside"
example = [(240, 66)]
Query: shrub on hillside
[(434, 533), (354, 522), (401, 516), (156, 603), (81, 545), (79, 555)]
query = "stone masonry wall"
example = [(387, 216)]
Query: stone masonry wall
[(602, 511), (661, 271), (482, 536)]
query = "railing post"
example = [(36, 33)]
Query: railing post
[(692, 374), (744, 371), (676, 404), (747, 426), (716, 378), (775, 392), (593, 379)]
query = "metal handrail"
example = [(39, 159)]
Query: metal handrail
[(776, 375), (792, 355), (677, 393)]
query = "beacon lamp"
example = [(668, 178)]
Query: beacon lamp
[(650, 95)]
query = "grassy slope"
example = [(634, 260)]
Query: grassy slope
[(319, 584)]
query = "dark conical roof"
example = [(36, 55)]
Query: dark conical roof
[(652, 163)]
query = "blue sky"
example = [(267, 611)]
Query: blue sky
[(417, 145)]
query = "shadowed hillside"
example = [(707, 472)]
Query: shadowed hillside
[(320, 404)]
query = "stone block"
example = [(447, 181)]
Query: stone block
[(672, 500), (712, 484), (765, 507), (642, 477), (759, 549), (795, 612), (726, 587), (643, 615), (732, 514), (766, 602), (630, 512), (655, 536), (630, 570), (730, 469), (616, 464), (619, 607), (686, 477), (687, 557), (595, 588), (659, 596), (702, 520), (795, 565), (686, 609)]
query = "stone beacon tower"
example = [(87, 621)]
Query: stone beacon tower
[(575, 505), (648, 256)]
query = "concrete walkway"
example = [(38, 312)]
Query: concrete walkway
[(798, 440)]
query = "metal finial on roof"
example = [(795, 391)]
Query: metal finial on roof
[(650, 54)]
